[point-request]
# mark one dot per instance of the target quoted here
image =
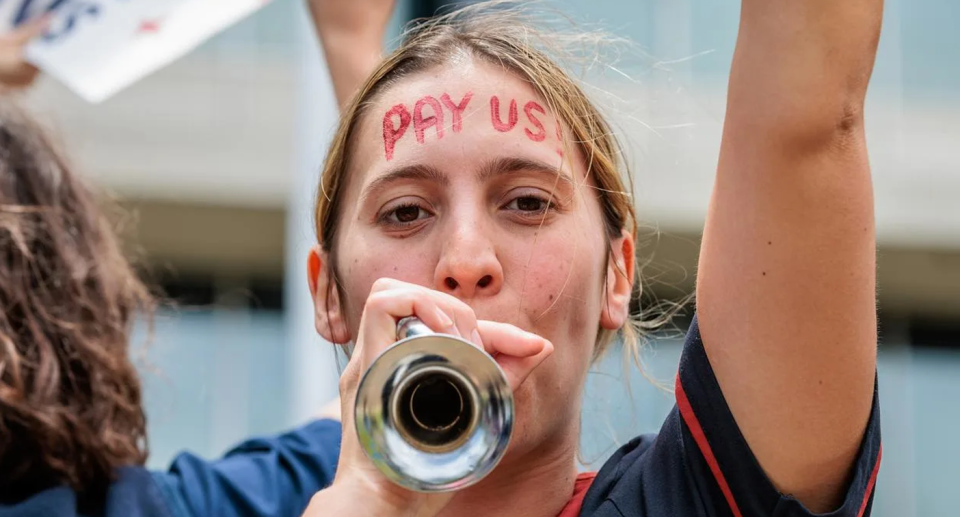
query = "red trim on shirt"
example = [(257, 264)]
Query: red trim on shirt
[(572, 509), (871, 483), (686, 411)]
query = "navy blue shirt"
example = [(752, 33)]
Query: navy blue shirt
[(263, 477), (699, 465)]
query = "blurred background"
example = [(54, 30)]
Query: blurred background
[(216, 157)]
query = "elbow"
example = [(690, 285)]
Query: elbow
[(842, 131), (849, 118), (824, 129)]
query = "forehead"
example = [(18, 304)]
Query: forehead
[(460, 112)]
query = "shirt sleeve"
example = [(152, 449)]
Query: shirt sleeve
[(722, 466), (273, 476)]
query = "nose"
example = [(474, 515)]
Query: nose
[(469, 266)]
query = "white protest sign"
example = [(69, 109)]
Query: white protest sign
[(16, 12), (99, 47)]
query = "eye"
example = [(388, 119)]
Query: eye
[(404, 215), (529, 204), (407, 214)]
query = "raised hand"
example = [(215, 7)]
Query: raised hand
[(15, 71), (351, 33)]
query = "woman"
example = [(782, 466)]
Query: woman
[(473, 185), (72, 425)]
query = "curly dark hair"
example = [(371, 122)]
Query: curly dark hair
[(70, 398)]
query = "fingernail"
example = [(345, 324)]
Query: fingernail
[(445, 320), (548, 345), (475, 337)]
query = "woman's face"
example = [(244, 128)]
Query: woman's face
[(458, 183)]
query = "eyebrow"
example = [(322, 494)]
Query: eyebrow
[(488, 170), (500, 166), (409, 172)]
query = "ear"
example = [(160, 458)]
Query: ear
[(327, 309), (619, 286)]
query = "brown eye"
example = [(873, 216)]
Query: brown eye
[(407, 214), (530, 204), (404, 215)]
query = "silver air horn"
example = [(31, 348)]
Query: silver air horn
[(434, 412)]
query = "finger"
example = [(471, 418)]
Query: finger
[(384, 308), (503, 338), (21, 75), (463, 316), (517, 369), (465, 320), (28, 30), (516, 351), (349, 379), (387, 284)]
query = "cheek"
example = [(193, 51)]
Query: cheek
[(547, 275), (562, 285), (561, 296), (363, 262)]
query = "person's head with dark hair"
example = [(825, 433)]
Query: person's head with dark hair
[(72, 419), (70, 398)]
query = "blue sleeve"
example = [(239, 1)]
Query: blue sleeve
[(273, 476), (700, 465), (727, 473)]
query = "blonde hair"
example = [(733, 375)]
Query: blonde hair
[(499, 33)]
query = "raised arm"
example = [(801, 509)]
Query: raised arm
[(351, 33), (786, 283)]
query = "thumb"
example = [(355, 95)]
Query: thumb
[(516, 351)]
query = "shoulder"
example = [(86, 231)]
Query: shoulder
[(700, 464), (270, 475), (134, 493), (647, 477)]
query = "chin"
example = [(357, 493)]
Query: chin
[(539, 423)]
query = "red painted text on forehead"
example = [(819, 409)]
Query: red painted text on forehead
[(429, 119)]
